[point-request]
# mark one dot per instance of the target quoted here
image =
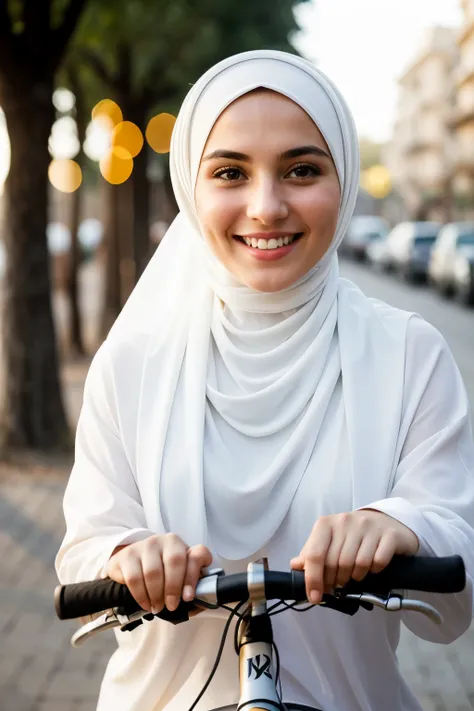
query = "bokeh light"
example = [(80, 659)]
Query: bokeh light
[(117, 166), (63, 142), (98, 141), (4, 151), (63, 100), (107, 112), (65, 175), (59, 238), (158, 132), (377, 181), (90, 234), (128, 136)]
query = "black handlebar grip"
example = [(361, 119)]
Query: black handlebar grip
[(82, 599), (425, 574)]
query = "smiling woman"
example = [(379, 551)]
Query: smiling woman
[(249, 403), (267, 192)]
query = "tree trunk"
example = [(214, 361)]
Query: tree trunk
[(112, 302), (136, 111), (33, 411), (76, 341)]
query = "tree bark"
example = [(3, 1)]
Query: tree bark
[(112, 302), (136, 109), (76, 341), (141, 212), (33, 412)]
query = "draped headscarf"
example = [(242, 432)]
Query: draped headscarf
[(233, 397)]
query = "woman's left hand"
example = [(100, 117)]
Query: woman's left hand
[(350, 545)]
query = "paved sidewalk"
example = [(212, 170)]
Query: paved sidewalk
[(40, 671)]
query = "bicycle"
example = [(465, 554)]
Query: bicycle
[(260, 688)]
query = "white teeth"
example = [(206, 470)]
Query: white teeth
[(268, 244)]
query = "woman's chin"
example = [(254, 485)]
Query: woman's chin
[(265, 283)]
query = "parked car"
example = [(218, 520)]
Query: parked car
[(378, 254), (463, 271), (362, 232), (454, 239), (410, 245)]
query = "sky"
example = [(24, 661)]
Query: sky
[(365, 45)]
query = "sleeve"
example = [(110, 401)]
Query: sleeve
[(102, 505), (433, 489)]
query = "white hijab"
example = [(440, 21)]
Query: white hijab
[(236, 395)]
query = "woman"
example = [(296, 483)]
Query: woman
[(249, 402)]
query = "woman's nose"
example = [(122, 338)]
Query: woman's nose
[(266, 204)]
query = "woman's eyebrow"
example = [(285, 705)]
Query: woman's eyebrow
[(304, 151), (291, 153)]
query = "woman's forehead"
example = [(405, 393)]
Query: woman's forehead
[(265, 115)]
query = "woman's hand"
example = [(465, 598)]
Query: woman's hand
[(159, 570), (350, 545)]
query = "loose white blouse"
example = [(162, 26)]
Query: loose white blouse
[(328, 660)]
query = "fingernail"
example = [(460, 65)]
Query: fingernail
[(155, 610), (188, 593), (172, 603), (314, 597)]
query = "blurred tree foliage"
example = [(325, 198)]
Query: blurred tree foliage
[(147, 55), (370, 153), (143, 53), (34, 35)]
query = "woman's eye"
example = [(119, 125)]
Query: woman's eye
[(228, 174), (304, 171)]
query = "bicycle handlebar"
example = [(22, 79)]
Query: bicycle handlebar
[(434, 575)]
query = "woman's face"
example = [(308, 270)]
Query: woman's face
[(267, 192)]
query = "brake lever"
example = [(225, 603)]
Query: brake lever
[(107, 621), (396, 603), (118, 617)]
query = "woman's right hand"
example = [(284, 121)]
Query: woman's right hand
[(159, 570)]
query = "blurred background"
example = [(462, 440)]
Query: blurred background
[(89, 92)]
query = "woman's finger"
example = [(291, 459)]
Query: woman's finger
[(198, 557), (153, 573), (332, 559), (365, 556), (385, 551), (347, 556), (133, 578), (314, 553), (175, 562)]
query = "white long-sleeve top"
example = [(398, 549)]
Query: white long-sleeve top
[(328, 660)]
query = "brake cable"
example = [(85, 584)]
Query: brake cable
[(234, 612)]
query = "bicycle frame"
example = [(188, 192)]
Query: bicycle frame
[(258, 682)]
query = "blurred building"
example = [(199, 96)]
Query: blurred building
[(463, 118), (420, 154)]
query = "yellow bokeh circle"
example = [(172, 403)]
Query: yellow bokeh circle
[(117, 167), (65, 175), (377, 181), (158, 132), (107, 112), (128, 136)]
